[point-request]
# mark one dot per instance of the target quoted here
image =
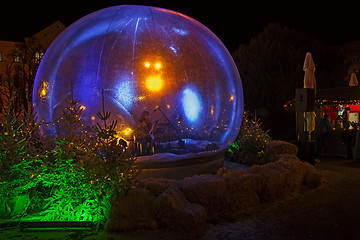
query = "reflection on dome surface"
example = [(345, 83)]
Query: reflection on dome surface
[(145, 59)]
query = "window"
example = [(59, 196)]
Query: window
[(16, 57), (0, 56), (38, 57), (355, 59)]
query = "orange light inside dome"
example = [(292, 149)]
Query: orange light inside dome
[(127, 131), (158, 65), (44, 90), (147, 64), (154, 83)]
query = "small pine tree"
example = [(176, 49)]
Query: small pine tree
[(113, 172), (75, 144), (16, 140), (106, 136), (18, 163), (249, 145), (71, 116)]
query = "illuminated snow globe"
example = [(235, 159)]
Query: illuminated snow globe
[(167, 79)]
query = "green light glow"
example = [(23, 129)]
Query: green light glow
[(70, 178)]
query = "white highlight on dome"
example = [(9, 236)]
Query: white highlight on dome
[(191, 104)]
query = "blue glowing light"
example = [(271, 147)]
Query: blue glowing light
[(125, 94), (179, 31), (173, 49), (191, 104)]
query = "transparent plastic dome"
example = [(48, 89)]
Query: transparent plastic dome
[(144, 59)]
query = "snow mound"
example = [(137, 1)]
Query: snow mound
[(188, 204)]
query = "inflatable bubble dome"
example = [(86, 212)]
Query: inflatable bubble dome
[(156, 69)]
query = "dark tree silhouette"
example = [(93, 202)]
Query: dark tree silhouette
[(271, 68), (18, 77)]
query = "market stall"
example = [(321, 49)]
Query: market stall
[(342, 108)]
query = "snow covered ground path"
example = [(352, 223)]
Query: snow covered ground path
[(331, 211)]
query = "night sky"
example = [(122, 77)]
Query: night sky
[(234, 22)]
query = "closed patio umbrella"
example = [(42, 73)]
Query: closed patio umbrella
[(309, 68), (353, 80), (309, 82)]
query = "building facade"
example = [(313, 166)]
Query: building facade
[(9, 49), (18, 65), (352, 59)]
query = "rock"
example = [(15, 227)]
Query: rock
[(131, 212), (304, 173), (285, 176), (235, 165), (174, 212), (187, 205), (297, 169), (274, 179), (275, 148), (243, 188), (210, 191), (312, 178), (156, 186)]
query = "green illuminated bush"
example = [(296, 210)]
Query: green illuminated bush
[(18, 163), (14, 144), (70, 197), (82, 174), (71, 177)]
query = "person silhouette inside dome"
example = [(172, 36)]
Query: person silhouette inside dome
[(142, 132)]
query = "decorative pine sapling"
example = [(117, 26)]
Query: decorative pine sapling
[(18, 163), (113, 173), (249, 145), (106, 135), (11, 141), (76, 143), (66, 192), (71, 116)]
